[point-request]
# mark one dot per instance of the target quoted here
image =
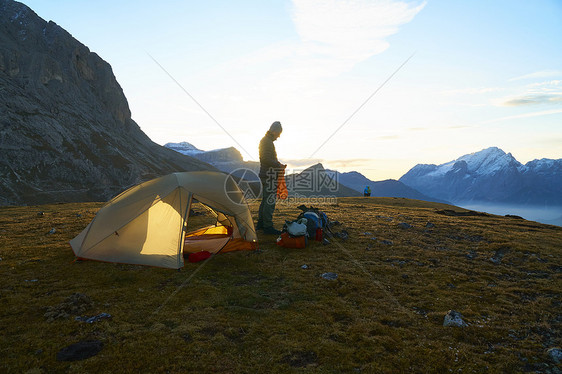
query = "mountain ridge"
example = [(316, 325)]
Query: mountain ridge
[(352, 183), (490, 175)]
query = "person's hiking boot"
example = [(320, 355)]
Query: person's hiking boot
[(271, 231)]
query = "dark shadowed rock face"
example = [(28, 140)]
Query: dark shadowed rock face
[(66, 132)]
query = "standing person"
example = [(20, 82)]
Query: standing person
[(367, 191), (270, 167)]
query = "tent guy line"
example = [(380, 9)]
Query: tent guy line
[(201, 106), (362, 105), (184, 283)]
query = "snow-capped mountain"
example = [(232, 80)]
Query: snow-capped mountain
[(225, 159), (490, 175), (184, 148), (229, 154)]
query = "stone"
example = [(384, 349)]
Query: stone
[(80, 351), (555, 354), (454, 318), (93, 319), (471, 255), (52, 231), (329, 276), (499, 254), (386, 242), (304, 267), (404, 225), (429, 225)]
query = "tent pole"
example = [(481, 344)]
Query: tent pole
[(184, 226)]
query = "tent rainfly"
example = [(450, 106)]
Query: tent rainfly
[(147, 224)]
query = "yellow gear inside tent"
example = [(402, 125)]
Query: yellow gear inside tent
[(147, 224)]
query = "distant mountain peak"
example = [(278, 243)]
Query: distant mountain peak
[(488, 161), (184, 146), (490, 175), (220, 155), (317, 167)]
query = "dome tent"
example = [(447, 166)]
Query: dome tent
[(147, 224)]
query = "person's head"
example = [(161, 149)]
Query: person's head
[(275, 129)]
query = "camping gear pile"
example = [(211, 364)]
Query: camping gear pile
[(311, 224)]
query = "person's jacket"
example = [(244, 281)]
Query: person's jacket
[(268, 156)]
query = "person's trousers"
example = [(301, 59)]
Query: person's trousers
[(267, 205)]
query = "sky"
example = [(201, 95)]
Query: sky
[(373, 86)]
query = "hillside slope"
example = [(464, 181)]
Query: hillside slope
[(264, 311), (66, 132)]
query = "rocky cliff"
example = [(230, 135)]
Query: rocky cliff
[(66, 132)]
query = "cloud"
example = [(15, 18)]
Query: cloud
[(534, 99), (389, 137), (348, 163), (538, 74), (303, 163), (524, 115), (552, 141), (350, 30), (472, 90), (547, 83), (337, 35), (547, 92)]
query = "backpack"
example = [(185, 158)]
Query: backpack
[(317, 221), (313, 223)]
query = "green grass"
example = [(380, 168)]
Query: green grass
[(246, 312)]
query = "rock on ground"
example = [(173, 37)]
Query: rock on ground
[(454, 318)]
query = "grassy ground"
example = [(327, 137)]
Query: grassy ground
[(247, 312)]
